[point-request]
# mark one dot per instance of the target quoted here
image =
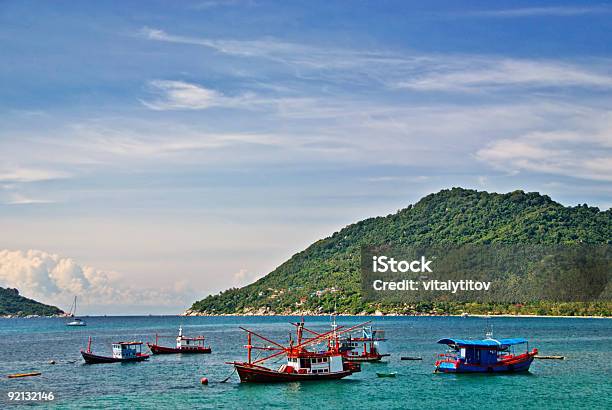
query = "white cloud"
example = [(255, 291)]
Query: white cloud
[(176, 95), (582, 154), (407, 70), (246, 48), (541, 11), (20, 199), (476, 74), (31, 175), (55, 279)]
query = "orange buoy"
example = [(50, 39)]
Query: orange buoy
[(204, 380)]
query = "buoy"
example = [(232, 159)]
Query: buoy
[(204, 380)]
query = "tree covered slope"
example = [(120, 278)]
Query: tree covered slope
[(13, 304), (325, 277)]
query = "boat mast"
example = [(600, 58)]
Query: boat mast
[(299, 331), (89, 345), (249, 346)]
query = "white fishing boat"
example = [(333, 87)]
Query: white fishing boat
[(75, 320)]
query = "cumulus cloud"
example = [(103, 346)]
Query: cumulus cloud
[(54, 279), (243, 277)]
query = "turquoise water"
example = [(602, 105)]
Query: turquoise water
[(581, 381)]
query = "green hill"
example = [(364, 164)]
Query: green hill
[(325, 277), (13, 304)]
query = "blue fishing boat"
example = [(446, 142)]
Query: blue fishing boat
[(485, 356)]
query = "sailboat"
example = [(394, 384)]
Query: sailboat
[(75, 320)]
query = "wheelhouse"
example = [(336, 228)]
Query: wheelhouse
[(127, 350), (313, 363)]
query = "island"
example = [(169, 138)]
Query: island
[(325, 277)]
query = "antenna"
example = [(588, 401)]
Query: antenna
[(488, 329)]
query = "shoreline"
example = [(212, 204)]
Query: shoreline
[(395, 315), (313, 315)]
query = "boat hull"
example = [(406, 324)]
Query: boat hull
[(258, 374), (517, 364), (95, 359), (157, 349)]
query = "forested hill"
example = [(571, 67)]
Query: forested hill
[(13, 304), (325, 276)]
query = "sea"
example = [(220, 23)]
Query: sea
[(582, 380)]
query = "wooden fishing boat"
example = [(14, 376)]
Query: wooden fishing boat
[(301, 364), (184, 344), (122, 352), (485, 356), (365, 344)]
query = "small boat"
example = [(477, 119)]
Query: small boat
[(19, 375), (302, 364), (550, 357), (365, 344), (485, 356), (75, 321), (390, 374), (184, 344), (122, 352)]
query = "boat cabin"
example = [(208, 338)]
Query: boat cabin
[(312, 363), (127, 350), (184, 342), (369, 343)]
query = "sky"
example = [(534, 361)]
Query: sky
[(152, 153)]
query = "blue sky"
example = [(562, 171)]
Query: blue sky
[(155, 152)]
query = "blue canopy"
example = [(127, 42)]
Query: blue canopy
[(483, 343)]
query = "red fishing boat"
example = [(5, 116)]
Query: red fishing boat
[(184, 344), (302, 364), (363, 344), (122, 352)]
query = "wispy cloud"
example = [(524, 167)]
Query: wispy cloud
[(31, 175), (585, 154), (247, 48), (20, 199), (404, 70), (476, 74), (181, 95), (211, 4), (560, 11)]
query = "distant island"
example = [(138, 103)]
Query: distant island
[(325, 277), (12, 304)]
